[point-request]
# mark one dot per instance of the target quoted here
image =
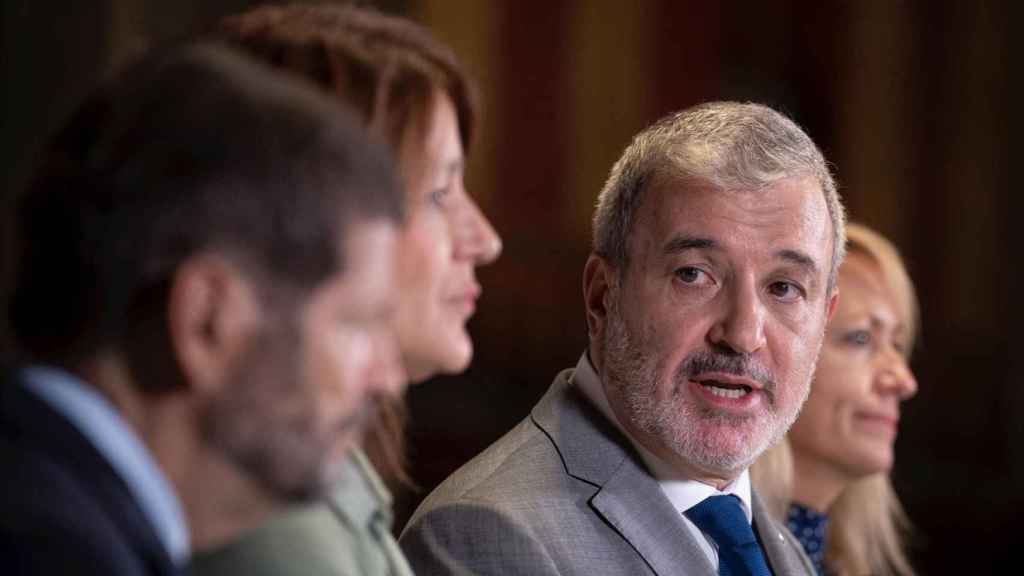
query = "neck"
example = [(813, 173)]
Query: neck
[(218, 501), (816, 485)]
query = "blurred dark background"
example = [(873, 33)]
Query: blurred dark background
[(911, 101)]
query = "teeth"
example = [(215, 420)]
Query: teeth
[(727, 392)]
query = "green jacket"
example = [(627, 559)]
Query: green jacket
[(347, 535)]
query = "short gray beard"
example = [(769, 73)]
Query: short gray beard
[(275, 443), (630, 368)]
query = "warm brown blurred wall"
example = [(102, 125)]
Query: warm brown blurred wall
[(910, 100)]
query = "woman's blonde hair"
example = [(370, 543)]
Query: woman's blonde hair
[(868, 528)]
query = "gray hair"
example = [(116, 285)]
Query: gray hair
[(729, 145)]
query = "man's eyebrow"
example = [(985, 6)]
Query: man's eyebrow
[(680, 244), (799, 258)]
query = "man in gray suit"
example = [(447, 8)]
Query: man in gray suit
[(716, 243)]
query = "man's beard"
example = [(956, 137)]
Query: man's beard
[(266, 421), (681, 424)]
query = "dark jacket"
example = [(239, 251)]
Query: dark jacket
[(63, 508)]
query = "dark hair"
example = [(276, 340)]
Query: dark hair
[(387, 68), (192, 148)]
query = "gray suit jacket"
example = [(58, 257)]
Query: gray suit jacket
[(565, 493)]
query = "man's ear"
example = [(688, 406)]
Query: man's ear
[(212, 311), (596, 283), (833, 301)]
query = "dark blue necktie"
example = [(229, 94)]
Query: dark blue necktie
[(722, 518)]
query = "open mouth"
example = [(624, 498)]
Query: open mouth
[(725, 390)]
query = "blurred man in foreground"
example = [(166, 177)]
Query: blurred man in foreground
[(202, 286)]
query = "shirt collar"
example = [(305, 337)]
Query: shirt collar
[(360, 495), (101, 424), (682, 492)]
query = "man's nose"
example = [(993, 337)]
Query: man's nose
[(740, 326)]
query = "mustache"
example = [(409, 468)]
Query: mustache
[(704, 361)]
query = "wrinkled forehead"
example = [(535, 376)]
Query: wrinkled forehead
[(790, 213)]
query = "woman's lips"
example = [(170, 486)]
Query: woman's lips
[(884, 422), (465, 300)]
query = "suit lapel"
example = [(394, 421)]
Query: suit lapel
[(626, 495), (634, 504), (783, 554)]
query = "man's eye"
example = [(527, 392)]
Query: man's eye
[(785, 290), (689, 274)]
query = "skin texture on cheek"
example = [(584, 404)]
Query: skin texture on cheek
[(432, 335), (296, 398), (259, 422), (723, 292)]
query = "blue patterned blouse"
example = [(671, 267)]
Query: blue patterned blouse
[(809, 528)]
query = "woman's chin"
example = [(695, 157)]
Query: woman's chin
[(447, 356), (869, 462), (459, 356)]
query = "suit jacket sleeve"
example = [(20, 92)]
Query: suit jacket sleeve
[(465, 539), (66, 553)]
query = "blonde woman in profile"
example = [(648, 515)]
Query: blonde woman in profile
[(830, 478)]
